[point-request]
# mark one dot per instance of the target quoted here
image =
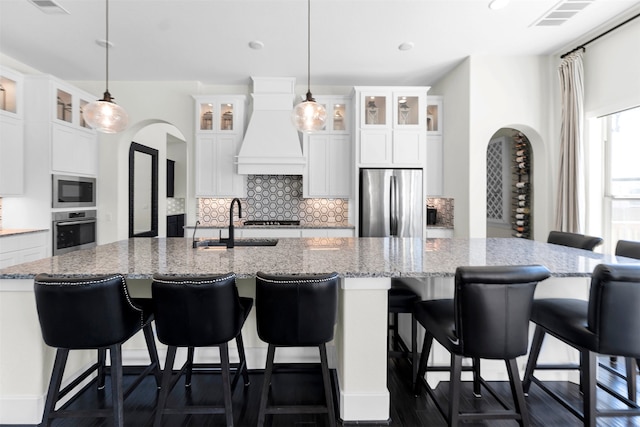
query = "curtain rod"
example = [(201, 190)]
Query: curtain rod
[(582, 46)]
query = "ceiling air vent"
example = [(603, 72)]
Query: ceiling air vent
[(49, 6), (562, 12)]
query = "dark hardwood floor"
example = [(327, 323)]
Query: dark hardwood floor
[(305, 387)]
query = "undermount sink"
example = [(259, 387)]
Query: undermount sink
[(237, 242)]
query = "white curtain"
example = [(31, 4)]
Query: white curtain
[(570, 201)]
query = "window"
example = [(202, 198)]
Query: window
[(622, 171)]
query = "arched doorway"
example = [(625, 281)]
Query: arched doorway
[(509, 185), (168, 185)]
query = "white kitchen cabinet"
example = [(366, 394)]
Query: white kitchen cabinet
[(11, 133), (11, 156), (69, 144), (329, 166), (390, 126), (25, 247), (435, 171), (219, 132), (58, 123)]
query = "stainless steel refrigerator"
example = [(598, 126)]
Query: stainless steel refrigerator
[(391, 203)]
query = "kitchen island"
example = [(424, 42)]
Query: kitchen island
[(365, 266)]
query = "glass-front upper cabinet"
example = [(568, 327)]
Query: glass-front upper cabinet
[(83, 103), (64, 106), (219, 113), (69, 103), (408, 111), (216, 116), (434, 115), (374, 109), (338, 112), (9, 88)]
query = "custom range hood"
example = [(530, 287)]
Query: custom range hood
[(271, 144)]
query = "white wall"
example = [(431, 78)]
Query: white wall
[(482, 95)]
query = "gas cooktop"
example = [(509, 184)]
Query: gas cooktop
[(281, 222)]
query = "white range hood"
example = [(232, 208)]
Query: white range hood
[(271, 144)]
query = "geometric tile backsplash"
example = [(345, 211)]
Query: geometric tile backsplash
[(276, 197), (445, 210)]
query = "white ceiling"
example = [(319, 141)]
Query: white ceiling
[(354, 42)]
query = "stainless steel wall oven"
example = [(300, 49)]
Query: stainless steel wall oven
[(73, 191), (73, 231)]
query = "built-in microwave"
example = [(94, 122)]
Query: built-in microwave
[(73, 191)]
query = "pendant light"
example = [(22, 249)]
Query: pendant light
[(309, 116), (104, 115)]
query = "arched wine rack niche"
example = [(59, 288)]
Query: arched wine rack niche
[(522, 180)]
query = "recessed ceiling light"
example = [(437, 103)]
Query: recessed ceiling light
[(405, 46), (498, 4), (256, 44), (104, 43)]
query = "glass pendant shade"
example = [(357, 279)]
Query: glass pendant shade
[(309, 116), (105, 115)]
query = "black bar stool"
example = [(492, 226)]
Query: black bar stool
[(606, 324), (401, 300), (199, 311), (296, 311), (487, 319), (91, 313), (574, 240)]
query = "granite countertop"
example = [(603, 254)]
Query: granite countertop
[(15, 231), (140, 258)]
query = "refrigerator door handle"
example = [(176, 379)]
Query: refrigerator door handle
[(393, 206)]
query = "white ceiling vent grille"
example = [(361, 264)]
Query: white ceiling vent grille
[(49, 6), (562, 12)]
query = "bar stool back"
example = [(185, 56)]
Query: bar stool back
[(574, 240), (606, 324), (91, 313), (199, 311), (487, 319), (296, 311)]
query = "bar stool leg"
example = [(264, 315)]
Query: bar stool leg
[(477, 392), (264, 396), (243, 360), (226, 383), (631, 377), (414, 350), (328, 391), (517, 393), (536, 345), (165, 387), (54, 384), (189, 367), (454, 390), (588, 364), (102, 357), (117, 394), (153, 353)]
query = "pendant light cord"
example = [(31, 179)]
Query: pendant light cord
[(309, 46), (107, 45)]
